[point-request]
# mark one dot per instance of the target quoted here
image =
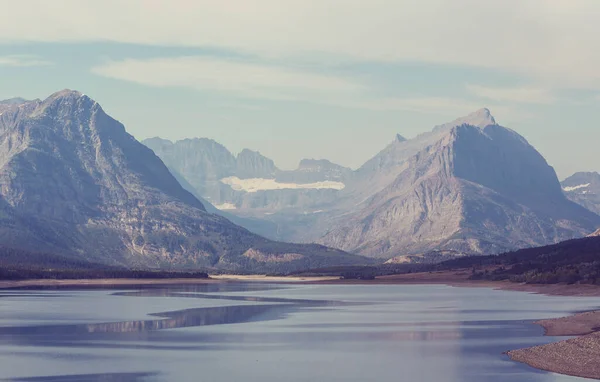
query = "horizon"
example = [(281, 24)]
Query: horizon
[(326, 85)]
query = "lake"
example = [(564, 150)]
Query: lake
[(261, 332)]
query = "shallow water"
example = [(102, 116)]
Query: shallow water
[(259, 332)]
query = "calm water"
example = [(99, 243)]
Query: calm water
[(254, 332)]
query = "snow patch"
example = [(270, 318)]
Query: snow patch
[(569, 189), (226, 206), (261, 184)]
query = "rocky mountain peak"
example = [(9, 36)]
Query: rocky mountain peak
[(316, 163), (14, 101), (400, 138), (73, 181), (66, 93), (65, 104), (480, 118), (252, 164)]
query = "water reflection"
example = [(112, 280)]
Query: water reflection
[(107, 377), (178, 319), (418, 336), (275, 308)]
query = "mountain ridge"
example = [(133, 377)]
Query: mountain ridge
[(73, 181)]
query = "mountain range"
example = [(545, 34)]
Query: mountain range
[(469, 186), (584, 188), (74, 182)]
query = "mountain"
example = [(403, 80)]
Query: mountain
[(74, 182), (13, 101), (251, 164), (469, 186), (584, 188), (316, 170), (250, 186)]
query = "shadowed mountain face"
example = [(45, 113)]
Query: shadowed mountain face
[(72, 181), (584, 188)]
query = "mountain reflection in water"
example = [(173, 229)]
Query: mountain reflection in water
[(107, 377), (274, 308)]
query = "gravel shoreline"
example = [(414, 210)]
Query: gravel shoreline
[(578, 357)]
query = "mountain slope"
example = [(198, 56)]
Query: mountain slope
[(470, 186), (72, 181), (572, 262), (584, 188)]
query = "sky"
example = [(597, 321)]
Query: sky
[(332, 79)]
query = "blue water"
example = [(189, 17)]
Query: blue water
[(259, 332)]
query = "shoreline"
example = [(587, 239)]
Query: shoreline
[(460, 279), (213, 279), (577, 357), (450, 278)]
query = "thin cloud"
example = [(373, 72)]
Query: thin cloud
[(513, 94), (252, 80), (242, 79), (23, 61)]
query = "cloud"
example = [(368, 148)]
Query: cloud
[(252, 80), (514, 94), (23, 61), (554, 41), (243, 79)]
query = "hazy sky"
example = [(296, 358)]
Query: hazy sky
[(333, 79)]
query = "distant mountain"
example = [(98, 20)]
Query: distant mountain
[(74, 183), (251, 164), (469, 186), (314, 170), (13, 101), (249, 185), (584, 188)]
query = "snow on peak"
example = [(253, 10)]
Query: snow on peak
[(225, 206)]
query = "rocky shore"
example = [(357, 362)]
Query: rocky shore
[(579, 357)]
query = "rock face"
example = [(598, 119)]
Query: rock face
[(469, 186), (250, 186), (584, 188), (251, 164), (72, 181)]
